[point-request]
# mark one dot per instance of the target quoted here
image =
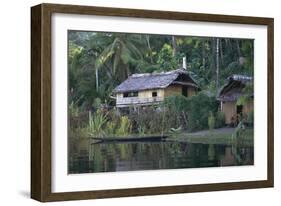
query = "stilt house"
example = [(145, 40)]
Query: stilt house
[(152, 88)]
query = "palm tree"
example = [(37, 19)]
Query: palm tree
[(123, 50)]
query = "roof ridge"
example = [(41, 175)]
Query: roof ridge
[(158, 73), (240, 77)]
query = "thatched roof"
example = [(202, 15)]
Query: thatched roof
[(232, 90), (147, 81)]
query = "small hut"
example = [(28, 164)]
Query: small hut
[(229, 95), (152, 88)]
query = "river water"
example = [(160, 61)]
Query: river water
[(131, 156)]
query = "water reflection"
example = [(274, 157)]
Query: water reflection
[(109, 157)]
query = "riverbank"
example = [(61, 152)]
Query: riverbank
[(222, 136)]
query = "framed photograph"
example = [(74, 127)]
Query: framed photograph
[(130, 102)]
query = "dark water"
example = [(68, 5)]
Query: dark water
[(111, 157)]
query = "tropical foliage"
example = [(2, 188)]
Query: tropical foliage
[(98, 62)]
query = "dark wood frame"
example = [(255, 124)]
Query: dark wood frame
[(41, 101)]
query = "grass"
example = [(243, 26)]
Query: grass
[(213, 137)]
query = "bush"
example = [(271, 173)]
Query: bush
[(141, 131), (73, 109), (198, 108), (220, 120), (110, 128), (250, 118), (192, 112), (176, 111), (147, 120), (176, 103), (96, 123), (125, 127), (97, 103), (211, 121)]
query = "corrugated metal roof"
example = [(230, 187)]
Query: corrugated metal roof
[(146, 81)]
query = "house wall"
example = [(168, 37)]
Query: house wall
[(144, 94), (191, 91), (177, 90), (229, 109), (143, 98), (248, 107), (172, 90), (148, 93)]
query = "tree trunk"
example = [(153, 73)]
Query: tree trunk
[(174, 44), (147, 37), (217, 63), (221, 54), (238, 48), (97, 79), (213, 58), (228, 45), (203, 54), (97, 73)]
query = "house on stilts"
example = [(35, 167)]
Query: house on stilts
[(229, 99), (151, 88)]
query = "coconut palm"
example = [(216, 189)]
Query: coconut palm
[(124, 51)]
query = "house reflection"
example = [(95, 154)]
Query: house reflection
[(228, 158), (110, 157), (237, 156)]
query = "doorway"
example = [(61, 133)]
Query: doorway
[(239, 109), (184, 91)]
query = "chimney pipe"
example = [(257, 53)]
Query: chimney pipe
[(184, 63)]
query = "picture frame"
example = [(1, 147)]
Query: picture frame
[(41, 101)]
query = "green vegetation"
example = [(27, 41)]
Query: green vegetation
[(105, 123), (211, 121), (199, 108), (246, 138), (219, 120), (174, 115), (250, 118), (125, 127), (247, 94), (192, 113), (96, 123), (99, 61)]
